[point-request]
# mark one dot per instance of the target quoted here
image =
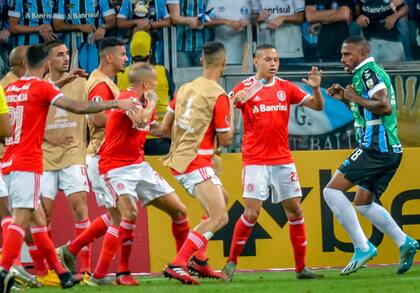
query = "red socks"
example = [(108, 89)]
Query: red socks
[(298, 238), (45, 245), (194, 242), (84, 255), (126, 234), (12, 245), (5, 222), (96, 229), (38, 260), (243, 229), (109, 250), (180, 230), (201, 254)]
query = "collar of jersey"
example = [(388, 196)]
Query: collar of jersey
[(366, 61), (267, 84), (29, 77)]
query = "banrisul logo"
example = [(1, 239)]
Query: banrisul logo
[(268, 108)]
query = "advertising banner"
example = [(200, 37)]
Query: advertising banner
[(269, 245)]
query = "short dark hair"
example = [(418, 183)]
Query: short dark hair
[(110, 42), (212, 48), (52, 44), (360, 40), (36, 55), (264, 47), (211, 52)]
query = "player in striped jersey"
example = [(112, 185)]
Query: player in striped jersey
[(83, 22), (30, 21)]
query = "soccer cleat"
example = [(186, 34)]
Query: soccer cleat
[(67, 280), (126, 279), (22, 277), (6, 281), (359, 259), (82, 278), (407, 252), (107, 281), (307, 273), (202, 269), (179, 273), (49, 280), (67, 258), (228, 271)]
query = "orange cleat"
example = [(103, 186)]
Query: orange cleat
[(202, 269), (126, 279)]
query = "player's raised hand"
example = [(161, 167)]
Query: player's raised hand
[(349, 93), (336, 91), (126, 104), (241, 96), (314, 77), (78, 72), (151, 96)]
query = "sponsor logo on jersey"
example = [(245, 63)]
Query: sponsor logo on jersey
[(268, 108), (257, 99), (278, 9)]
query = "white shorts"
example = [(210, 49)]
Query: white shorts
[(70, 180), (103, 197), (3, 187), (138, 180), (24, 189), (281, 181), (190, 180)]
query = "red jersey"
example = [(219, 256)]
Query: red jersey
[(101, 92), (124, 143), (219, 123), (266, 119), (29, 99)]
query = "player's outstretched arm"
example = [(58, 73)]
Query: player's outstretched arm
[(316, 101), (79, 107), (71, 77)]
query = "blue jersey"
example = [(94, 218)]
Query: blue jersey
[(190, 40), (31, 13), (81, 12)]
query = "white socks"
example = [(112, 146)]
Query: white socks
[(345, 213), (382, 220)]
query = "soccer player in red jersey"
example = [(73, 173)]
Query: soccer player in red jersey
[(29, 99), (127, 175), (200, 114), (268, 166)]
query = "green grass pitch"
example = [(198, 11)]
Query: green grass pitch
[(373, 279)]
